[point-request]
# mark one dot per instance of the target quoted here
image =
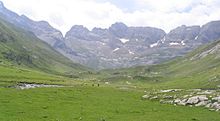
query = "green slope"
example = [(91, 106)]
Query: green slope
[(198, 69), (23, 49)]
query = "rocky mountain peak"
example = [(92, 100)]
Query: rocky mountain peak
[(77, 31), (43, 23), (119, 25), (148, 34), (98, 30), (119, 29), (182, 35), (80, 28), (210, 31)]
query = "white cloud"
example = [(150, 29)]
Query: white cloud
[(165, 14)]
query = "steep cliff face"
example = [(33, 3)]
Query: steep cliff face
[(114, 47)]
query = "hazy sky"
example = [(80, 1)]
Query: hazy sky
[(165, 14)]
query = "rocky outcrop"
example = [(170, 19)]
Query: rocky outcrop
[(198, 98)]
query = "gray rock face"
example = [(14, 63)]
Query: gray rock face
[(183, 33), (118, 46), (123, 46), (184, 36), (147, 34), (42, 30), (118, 29), (209, 32), (78, 31)]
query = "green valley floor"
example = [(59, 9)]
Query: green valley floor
[(88, 103)]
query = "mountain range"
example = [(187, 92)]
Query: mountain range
[(119, 45)]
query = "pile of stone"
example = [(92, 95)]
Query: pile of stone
[(200, 100), (188, 100)]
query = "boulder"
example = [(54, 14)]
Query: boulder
[(183, 102), (193, 100), (215, 105), (154, 98), (176, 101), (202, 98), (202, 103), (197, 99), (208, 105), (216, 99), (145, 97)]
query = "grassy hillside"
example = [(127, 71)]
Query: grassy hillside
[(23, 49), (198, 69)]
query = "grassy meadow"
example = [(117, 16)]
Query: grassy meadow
[(89, 103)]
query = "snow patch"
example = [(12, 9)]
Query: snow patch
[(174, 43), (196, 37), (182, 42), (130, 52), (116, 49), (103, 43), (123, 40), (153, 45)]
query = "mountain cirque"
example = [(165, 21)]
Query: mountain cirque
[(119, 45)]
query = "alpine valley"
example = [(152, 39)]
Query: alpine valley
[(120, 73)]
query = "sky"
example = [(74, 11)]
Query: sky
[(164, 14)]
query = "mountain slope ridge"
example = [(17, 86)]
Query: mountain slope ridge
[(24, 49)]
